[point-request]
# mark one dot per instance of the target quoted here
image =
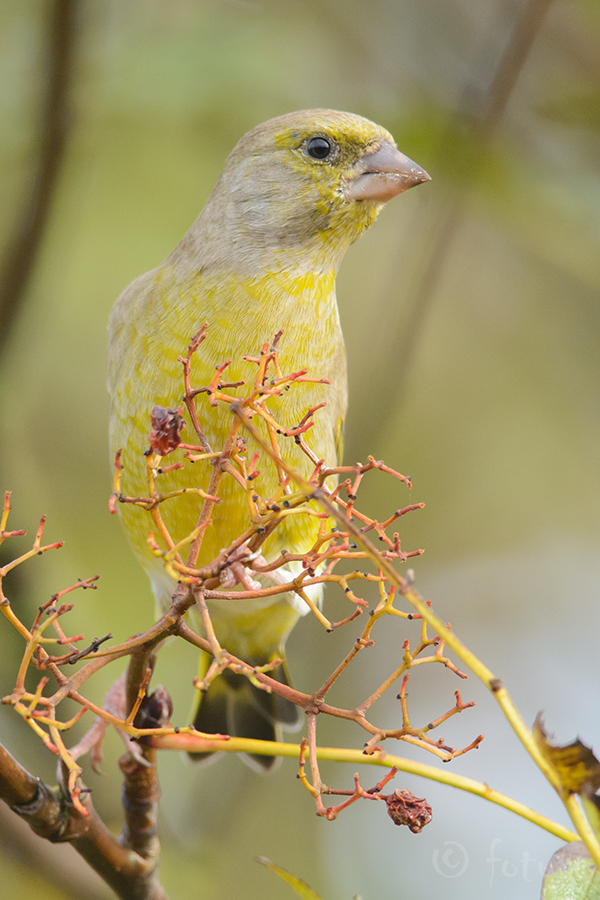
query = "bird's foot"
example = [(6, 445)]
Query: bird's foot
[(237, 573), (114, 703)]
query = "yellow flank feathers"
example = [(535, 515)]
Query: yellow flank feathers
[(262, 256)]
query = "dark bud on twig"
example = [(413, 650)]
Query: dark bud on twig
[(156, 709)]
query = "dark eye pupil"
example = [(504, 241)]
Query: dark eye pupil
[(319, 147)]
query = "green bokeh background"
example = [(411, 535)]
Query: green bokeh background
[(471, 318)]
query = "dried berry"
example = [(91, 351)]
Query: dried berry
[(166, 425), (406, 809)]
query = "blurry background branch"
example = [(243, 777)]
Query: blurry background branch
[(477, 117), (50, 142)]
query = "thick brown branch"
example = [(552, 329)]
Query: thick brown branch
[(50, 815), (30, 798)]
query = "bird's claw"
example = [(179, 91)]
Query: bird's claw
[(237, 573)]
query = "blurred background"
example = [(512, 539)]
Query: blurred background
[(471, 317)]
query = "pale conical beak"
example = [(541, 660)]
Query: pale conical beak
[(383, 174)]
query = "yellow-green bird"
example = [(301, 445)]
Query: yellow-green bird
[(262, 256)]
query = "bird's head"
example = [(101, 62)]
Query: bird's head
[(296, 191)]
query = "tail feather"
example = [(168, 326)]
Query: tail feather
[(233, 705)]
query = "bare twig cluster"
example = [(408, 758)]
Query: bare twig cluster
[(341, 555), (332, 550)]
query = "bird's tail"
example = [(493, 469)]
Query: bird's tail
[(233, 705)]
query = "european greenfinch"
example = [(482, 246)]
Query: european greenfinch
[(262, 256)]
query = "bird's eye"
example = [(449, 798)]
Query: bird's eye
[(319, 147)]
